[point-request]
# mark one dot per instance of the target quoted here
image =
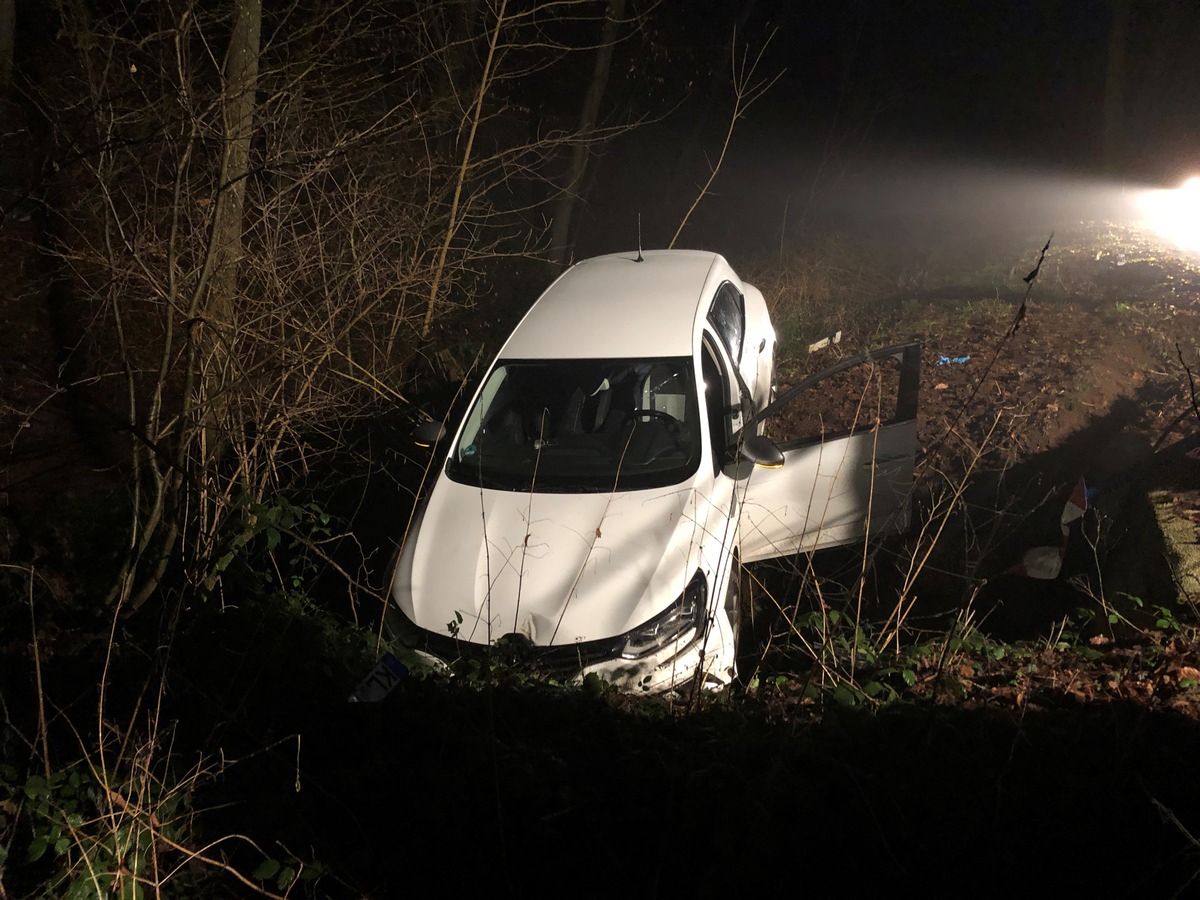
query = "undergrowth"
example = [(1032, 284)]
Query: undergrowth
[(113, 745)]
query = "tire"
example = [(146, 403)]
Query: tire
[(739, 604)]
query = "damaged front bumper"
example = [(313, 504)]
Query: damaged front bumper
[(696, 657)]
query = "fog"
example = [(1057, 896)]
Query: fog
[(768, 205)]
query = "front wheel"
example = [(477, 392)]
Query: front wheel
[(739, 606)]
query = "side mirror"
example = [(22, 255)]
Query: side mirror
[(761, 451), (428, 433)]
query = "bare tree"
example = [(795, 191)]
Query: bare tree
[(269, 208)]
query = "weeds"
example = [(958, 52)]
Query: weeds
[(103, 801), (117, 820)]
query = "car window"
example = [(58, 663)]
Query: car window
[(728, 316), (581, 425)]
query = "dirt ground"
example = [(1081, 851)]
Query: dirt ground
[(1091, 371)]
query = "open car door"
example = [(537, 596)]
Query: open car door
[(849, 442)]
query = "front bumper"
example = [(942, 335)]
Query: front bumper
[(708, 657)]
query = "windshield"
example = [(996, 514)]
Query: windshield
[(581, 425)]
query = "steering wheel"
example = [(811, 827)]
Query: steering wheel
[(671, 422)]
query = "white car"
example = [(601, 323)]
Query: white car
[(593, 508)]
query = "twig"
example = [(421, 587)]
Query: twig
[(37, 669), (745, 93), (1191, 382), (485, 83)]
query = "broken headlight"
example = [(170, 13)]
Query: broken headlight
[(684, 615)]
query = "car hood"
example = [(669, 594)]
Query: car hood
[(556, 568)]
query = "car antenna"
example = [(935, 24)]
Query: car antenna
[(639, 256)]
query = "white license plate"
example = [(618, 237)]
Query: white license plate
[(388, 673)]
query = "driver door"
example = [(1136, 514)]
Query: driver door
[(849, 442)]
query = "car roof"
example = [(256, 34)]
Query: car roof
[(617, 307)]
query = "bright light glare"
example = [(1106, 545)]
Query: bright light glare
[(1176, 214)]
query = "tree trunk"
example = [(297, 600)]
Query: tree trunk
[(225, 247), (241, 77), (12, 148), (8, 27), (564, 210)]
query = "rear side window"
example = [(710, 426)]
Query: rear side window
[(727, 315)]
